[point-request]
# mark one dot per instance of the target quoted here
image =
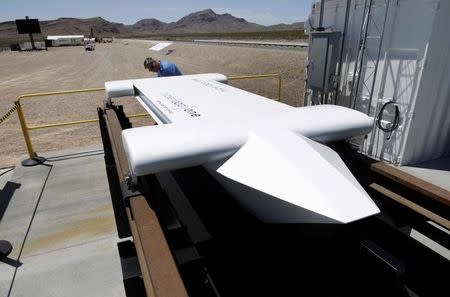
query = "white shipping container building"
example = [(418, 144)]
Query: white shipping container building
[(391, 60), (37, 44), (64, 40)]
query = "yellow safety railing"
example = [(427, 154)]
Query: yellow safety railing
[(25, 128), (260, 76)]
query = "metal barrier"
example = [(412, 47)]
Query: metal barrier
[(35, 159), (260, 76)]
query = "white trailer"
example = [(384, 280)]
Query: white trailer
[(66, 40)]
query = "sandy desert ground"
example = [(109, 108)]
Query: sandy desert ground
[(68, 68)]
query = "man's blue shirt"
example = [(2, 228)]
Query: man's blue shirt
[(168, 68)]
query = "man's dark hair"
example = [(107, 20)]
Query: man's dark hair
[(148, 62)]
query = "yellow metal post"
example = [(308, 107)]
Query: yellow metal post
[(279, 88), (23, 124)]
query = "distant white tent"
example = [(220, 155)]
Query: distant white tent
[(61, 40)]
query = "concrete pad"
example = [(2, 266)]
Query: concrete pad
[(19, 204), (436, 172), (28, 183), (75, 207), (5, 175), (71, 247), (7, 188), (91, 269)]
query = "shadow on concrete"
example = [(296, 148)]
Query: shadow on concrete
[(7, 169), (5, 196), (11, 262), (29, 227), (75, 155), (437, 164)]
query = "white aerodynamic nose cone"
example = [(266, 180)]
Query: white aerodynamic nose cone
[(310, 177)]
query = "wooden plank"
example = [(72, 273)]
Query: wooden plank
[(428, 189), (411, 205), (159, 271), (150, 292), (161, 266)]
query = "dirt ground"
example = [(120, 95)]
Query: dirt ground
[(69, 68)]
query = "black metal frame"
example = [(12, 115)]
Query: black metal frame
[(123, 228)]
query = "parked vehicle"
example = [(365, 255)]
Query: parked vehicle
[(89, 47)]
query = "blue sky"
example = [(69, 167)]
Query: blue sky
[(262, 12)]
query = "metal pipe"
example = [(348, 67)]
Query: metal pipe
[(344, 36), (358, 68), (62, 124), (28, 96), (139, 115), (253, 76), (380, 45), (260, 76), (279, 88), (26, 135), (322, 5)]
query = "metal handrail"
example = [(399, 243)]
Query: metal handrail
[(139, 115), (25, 128), (260, 76), (28, 96)]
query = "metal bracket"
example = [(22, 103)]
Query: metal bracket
[(108, 103), (128, 189)]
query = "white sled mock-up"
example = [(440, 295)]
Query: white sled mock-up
[(268, 155)]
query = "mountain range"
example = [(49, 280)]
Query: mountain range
[(205, 21)]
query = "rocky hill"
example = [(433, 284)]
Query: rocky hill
[(205, 21)]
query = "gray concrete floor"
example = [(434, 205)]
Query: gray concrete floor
[(436, 172), (59, 218)]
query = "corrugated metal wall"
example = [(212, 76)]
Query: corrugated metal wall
[(429, 133), (400, 70), (412, 40)]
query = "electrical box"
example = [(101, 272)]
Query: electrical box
[(323, 58)]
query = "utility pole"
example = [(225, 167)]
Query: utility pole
[(31, 37)]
